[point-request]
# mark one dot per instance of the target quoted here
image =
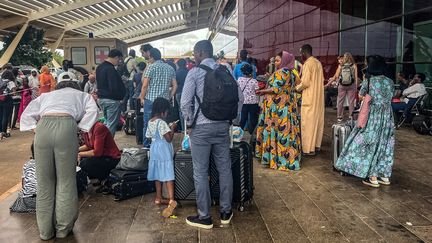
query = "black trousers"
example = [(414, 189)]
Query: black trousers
[(249, 114), (5, 113), (98, 167), (14, 113)]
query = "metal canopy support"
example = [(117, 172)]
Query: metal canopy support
[(11, 22), (119, 14), (149, 20), (61, 9), (54, 46), (158, 28), (11, 49), (157, 35)]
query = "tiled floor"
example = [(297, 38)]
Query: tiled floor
[(311, 205)]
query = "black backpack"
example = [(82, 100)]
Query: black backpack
[(220, 97)]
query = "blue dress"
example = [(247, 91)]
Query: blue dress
[(369, 151), (161, 165)]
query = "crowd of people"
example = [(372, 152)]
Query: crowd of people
[(284, 109)]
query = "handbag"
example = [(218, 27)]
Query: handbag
[(364, 109), (134, 159)]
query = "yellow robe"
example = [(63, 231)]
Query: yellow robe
[(312, 107)]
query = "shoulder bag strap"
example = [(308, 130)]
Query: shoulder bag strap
[(246, 85)]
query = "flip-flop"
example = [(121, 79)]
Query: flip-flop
[(168, 211)]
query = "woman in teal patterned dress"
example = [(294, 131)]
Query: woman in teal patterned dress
[(368, 152)]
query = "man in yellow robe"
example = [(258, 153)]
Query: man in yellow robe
[(312, 107)]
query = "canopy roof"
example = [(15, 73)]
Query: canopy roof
[(133, 21)]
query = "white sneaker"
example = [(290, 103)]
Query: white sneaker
[(384, 181)]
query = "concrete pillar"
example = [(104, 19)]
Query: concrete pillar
[(11, 49), (241, 23), (54, 46)]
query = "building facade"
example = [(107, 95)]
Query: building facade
[(399, 30)]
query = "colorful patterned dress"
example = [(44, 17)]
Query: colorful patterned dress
[(278, 133), (369, 151)]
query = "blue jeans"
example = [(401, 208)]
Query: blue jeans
[(402, 106), (211, 139), (146, 117), (111, 110)]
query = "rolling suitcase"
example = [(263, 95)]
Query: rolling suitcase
[(126, 184), (139, 123), (242, 171), (184, 187), (129, 126), (340, 135)]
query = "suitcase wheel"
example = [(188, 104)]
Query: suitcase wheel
[(241, 207)]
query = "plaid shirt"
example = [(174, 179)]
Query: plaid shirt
[(160, 77)]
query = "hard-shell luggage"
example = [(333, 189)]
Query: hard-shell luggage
[(184, 187), (129, 126), (422, 124), (126, 184), (340, 133), (242, 171), (139, 126)]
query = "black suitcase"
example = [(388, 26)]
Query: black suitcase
[(129, 126), (242, 171), (139, 122), (184, 187), (126, 184)]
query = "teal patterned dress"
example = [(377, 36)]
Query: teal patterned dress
[(369, 151)]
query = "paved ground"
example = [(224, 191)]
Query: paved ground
[(312, 205)]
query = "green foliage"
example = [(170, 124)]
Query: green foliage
[(140, 59), (30, 50), (58, 57), (220, 55), (188, 54)]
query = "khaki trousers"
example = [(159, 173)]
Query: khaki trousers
[(56, 151)]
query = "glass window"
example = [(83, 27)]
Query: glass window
[(353, 13), (100, 54), (417, 47), (378, 10), (79, 55), (353, 41), (384, 38), (411, 5)]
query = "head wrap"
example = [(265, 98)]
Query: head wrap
[(288, 60)]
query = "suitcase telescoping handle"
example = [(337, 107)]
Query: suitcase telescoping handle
[(231, 136)]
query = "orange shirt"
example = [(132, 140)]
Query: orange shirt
[(47, 83)]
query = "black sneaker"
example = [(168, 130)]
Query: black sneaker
[(226, 217), (200, 223)]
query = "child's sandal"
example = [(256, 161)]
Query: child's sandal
[(168, 211)]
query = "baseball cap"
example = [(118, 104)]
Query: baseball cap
[(66, 76)]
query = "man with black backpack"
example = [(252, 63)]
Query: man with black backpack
[(211, 99)]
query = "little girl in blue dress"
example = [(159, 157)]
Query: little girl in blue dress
[(161, 164)]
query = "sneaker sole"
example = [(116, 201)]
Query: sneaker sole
[(384, 183), (228, 221), (202, 226), (370, 184)]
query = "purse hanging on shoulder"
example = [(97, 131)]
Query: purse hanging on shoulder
[(364, 109)]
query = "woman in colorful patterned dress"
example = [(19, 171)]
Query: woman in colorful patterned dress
[(368, 152), (278, 133)]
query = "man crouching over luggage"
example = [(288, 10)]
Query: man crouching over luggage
[(99, 154), (208, 137)]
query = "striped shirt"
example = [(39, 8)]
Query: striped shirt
[(160, 77), (29, 176)]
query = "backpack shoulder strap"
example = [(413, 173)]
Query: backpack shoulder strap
[(206, 68)]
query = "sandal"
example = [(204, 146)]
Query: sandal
[(162, 201), (168, 211)]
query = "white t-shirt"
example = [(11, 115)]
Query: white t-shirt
[(152, 127), (81, 106)]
